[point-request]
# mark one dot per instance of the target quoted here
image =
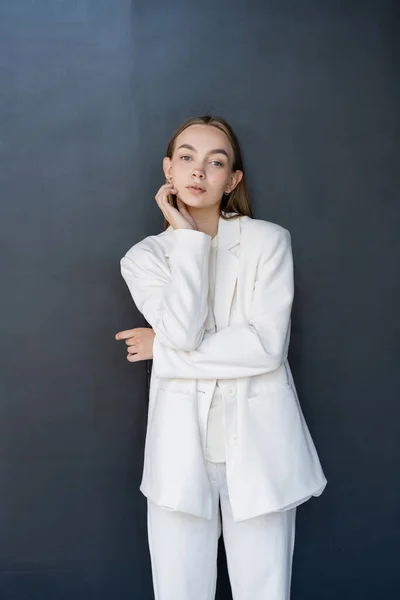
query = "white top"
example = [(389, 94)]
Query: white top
[(215, 451)]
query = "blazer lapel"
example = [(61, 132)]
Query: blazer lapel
[(227, 269)]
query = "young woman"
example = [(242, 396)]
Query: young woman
[(227, 447)]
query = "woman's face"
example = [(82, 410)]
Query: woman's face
[(201, 166)]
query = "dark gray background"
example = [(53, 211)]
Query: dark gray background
[(90, 93)]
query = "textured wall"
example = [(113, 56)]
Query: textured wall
[(91, 90)]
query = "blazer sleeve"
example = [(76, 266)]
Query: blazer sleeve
[(252, 348), (173, 299)]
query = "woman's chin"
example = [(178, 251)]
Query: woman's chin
[(195, 201)]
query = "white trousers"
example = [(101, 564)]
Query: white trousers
[(183, 550)]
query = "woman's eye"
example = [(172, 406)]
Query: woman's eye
[(186, 158)]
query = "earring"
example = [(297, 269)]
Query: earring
[(226, 193)]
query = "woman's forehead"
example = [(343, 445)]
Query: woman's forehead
[(204, 138)]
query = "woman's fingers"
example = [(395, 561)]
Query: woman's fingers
[(125, 334), (175, 217), (133, 357), (182, 207), (162, 197), (136, 341), (185, 213)]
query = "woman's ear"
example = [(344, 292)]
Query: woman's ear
[(236, 178), (167, 167)]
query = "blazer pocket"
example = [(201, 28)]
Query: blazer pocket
[(174, 424), (262, 392), (176, 386), (173, 443)]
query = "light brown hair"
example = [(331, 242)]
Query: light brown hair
[(238, 200)]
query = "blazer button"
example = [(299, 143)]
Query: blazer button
[(230, 391)]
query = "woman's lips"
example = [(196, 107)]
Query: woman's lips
[(195, 190)]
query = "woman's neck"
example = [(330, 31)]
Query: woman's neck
[(206, 219)]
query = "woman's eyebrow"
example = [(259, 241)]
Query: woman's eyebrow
[(215, 151)]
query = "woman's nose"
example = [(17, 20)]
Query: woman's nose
[(198, 172)]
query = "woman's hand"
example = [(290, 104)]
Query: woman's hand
[(178, 219), (139, 341)]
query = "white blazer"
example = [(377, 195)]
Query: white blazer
[(271, 460)]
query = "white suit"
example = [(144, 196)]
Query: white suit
[(271, 461)]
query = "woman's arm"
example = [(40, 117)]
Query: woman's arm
[(259, 346), (173, 300)]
